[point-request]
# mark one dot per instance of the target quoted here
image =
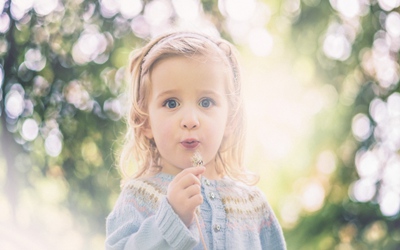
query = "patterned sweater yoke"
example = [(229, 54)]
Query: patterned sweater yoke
[(232, 216)]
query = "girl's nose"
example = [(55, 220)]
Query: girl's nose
[(190, 120)]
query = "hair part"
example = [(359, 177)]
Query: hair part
[(140, 153)]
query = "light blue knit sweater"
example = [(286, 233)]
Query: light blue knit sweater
[(233, 216)]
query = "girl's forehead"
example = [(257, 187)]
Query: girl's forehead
[(183, 72), (195, 64)]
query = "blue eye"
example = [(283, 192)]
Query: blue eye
[(206, 103), (171, 104)]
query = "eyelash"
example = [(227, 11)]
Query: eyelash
[(212, 102), (165, 103)]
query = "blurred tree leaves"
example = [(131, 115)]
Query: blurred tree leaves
[(65, 92), (348, 219)]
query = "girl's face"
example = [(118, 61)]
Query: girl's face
[(188, 111)]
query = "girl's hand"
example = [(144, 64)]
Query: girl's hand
[(184, 193)]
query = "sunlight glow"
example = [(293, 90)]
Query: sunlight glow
[(389, 5), (382, 162), (1, 78), (391, 174), (393, 105), (316, 99), (392, 24), (361, 127), (362, 190), (385, 67), (390, 203), (375, 231), (238, 30), (157, 12), (348, 8), (187, 9), (293, 7), (20, 7), (52, 190), (260, 42), (45, 7), (313, 196), (30, 129), (140, 27), (387, 116), (34, 60), (336, 46), (113, 109), (41, 86), (91, 153), (4, 22), (53, 143), (326, 162), (290, 211), (108, 8), (129, 8), (277, 144), (14, 101), (2, 2), (90, 46), (78, 96), (240, 10), (378, 111), (368, 164)]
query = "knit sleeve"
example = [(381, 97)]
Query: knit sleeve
[(271, 235), (128, 227)]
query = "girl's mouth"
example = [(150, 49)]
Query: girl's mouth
[(190, 143)]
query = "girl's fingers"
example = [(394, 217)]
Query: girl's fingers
[(194, 171), (193, 190), (195, 201), (188, 181), (184, 193)]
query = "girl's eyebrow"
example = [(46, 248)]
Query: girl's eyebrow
[(210, 92), (166, 93)]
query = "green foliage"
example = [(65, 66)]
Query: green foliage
[(343, 221)]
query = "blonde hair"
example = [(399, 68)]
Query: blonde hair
[(139, 151)]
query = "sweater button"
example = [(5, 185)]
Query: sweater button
[(212, 196), (217, 227), (207, 182)]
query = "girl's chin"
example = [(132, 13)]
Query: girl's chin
[(173, 170)]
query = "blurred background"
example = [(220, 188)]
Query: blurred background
[(321, 81)]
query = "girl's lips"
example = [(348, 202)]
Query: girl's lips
[(190, 144)]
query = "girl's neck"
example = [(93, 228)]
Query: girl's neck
[(211, 173)]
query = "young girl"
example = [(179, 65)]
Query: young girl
[(186, 105)]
